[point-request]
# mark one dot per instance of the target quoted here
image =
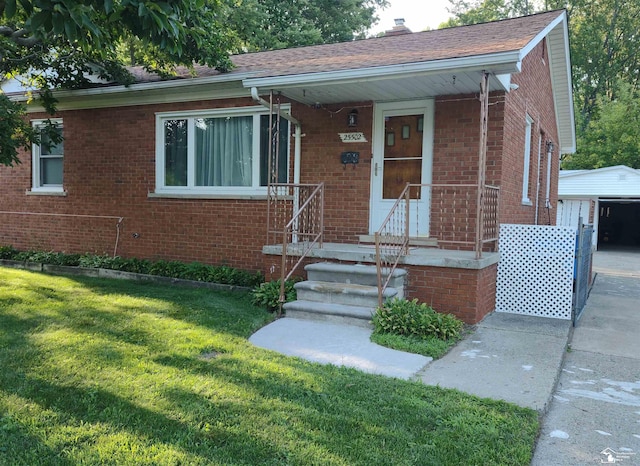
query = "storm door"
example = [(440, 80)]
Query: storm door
[(402, 153)]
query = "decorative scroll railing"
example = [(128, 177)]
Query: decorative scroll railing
[(295, 218), (452, 221)]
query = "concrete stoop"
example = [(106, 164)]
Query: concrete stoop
[(341, 293)]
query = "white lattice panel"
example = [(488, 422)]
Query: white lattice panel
[(535, 272)]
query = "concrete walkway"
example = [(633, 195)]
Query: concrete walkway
[(509, 357), (594, 417), (515, 358), (337, 344)]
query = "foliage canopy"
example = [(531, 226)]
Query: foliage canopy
[(67, 44)]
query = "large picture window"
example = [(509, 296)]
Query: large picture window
[(47, 158), (219, 151)]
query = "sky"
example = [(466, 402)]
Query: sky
[(417, 14)]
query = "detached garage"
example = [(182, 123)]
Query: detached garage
[(609, 198)]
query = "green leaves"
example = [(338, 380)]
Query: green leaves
[(612, 136), (410, 318), (15, 132), (10, 8), (268, 294)]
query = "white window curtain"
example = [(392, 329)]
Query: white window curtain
[(224, 150)]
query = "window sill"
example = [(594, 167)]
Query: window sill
[(44, 192), (251, 197), (527, 202)]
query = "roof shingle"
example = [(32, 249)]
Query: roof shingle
[(458, 42)]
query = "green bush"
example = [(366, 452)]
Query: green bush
[(94, 261), (8, 252), (268, 294), (174, 269), (410, 318)]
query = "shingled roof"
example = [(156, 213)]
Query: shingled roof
[(507, 35), (457, 42)]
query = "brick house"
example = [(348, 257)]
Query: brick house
[(474, 117)]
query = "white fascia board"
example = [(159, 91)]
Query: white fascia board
[(565, 63), (559, 58), (562, 18), (141, 87), (597, 171), (195, 92), (504, 62)]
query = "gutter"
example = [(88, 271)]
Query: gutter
[(139, 87), (498, 63)]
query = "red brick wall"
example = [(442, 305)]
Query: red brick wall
[(346, 187), (109, 170), (534, 97), (468, 294)]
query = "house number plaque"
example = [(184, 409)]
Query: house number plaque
[(352, 137)]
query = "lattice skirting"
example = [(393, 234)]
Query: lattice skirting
[(535, 272)]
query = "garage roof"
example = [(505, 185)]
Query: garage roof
[(617, 181)]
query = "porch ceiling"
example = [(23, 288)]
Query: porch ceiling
[(385, 87)]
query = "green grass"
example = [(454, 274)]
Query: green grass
[(428, 346), (113, 372)]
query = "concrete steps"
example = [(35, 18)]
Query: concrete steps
[(341, 292)]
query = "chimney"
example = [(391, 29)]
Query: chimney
[(398, 29)]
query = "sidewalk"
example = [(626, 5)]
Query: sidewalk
[(509, 357), (594, 417), (515, 358)]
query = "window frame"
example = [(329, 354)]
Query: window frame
[(528, 132), (191, 115), (36, 157)]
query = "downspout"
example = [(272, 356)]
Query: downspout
[(264, 103), (538, 171), (297, 154), (297, 133)]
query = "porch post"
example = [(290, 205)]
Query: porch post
[(482, 162)]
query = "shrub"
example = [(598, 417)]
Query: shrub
[(410, 318), (268, 294), (8, 252), (93, 261), (174, 269)]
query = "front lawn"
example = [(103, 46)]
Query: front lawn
[(96, 371)]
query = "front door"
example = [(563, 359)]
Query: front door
[(402, 153)]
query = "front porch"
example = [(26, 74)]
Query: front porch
[(451, 281), (417, 256)]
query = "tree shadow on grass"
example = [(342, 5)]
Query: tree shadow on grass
[(85, 409), (358, 418)]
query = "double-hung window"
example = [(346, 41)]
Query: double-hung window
[(47, 157), (221, 151)]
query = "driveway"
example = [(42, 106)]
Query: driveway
[(594, 417)]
